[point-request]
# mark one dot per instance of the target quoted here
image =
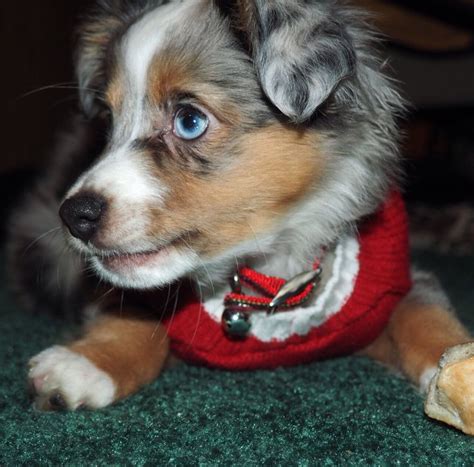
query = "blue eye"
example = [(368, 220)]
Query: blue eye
[(190, 123)]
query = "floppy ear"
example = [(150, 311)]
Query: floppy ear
[(300, 50), (94, 39)]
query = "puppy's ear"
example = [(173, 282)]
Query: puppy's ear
[(300, 48), (95, 37)]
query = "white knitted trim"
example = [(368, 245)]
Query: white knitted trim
[(329, 300)]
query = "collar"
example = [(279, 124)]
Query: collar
[(274, 294)]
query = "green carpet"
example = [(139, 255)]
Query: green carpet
[(348, 411)]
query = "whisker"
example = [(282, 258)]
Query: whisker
[(63, 101), (196, 327), (121, 302), (211, 282), (259, 248), (58, 267), (38, 239), (163, 312), (66, 85), (165, 306), (175, 306), (101, 298)]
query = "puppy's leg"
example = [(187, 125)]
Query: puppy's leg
[(425, 340), (118, 354)]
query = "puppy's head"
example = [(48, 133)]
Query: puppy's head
[(224, 120)]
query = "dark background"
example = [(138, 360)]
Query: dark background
[(37, 42)]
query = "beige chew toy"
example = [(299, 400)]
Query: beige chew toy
[(450, 396)]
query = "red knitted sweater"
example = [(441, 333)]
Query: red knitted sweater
[(380, 280)]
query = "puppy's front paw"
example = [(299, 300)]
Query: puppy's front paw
[(62, 379), (450, 397)]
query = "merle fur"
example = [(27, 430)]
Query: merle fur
[(328, 76)]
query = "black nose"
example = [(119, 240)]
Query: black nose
[(82, 214)]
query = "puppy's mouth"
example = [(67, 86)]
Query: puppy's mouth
[(153, 266), (126, 261), (118, 262)]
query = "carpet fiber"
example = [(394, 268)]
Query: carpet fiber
[(347, 411)]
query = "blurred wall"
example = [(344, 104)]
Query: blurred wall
[(36, 38)]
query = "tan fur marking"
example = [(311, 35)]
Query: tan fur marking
[(167, 77), (270, 170), (171, 75), (130, 350), (416, 337), (114, 93)]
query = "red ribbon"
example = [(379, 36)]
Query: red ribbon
[(268, 287)]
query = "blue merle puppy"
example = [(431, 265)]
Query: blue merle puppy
[(215, 134)]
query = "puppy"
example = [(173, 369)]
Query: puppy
[(246, 140)]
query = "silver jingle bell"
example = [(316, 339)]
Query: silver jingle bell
[(236, 323)]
